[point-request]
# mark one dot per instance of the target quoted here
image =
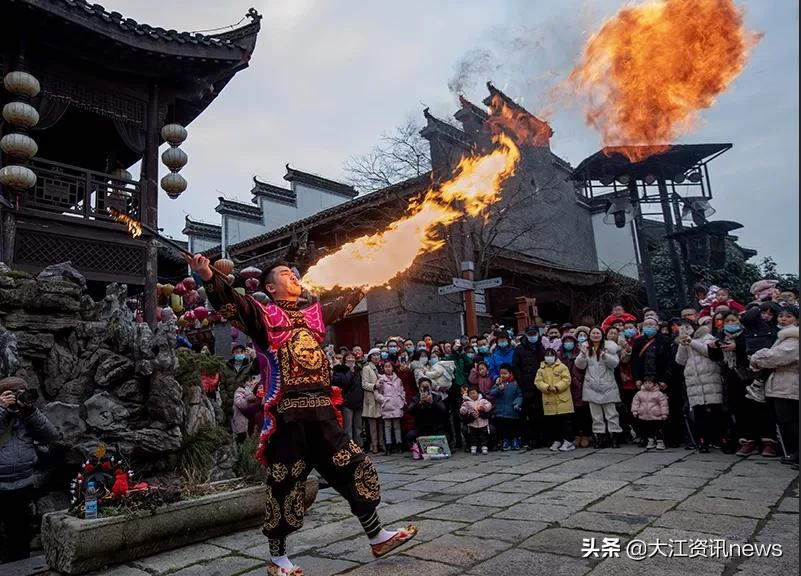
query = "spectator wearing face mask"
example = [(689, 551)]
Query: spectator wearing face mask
[(526, 362), (393, 350), (651, 358), (479, 376), (440, 372), (237, 370), (461, 369), (419, 365), (582, 421), (371, 409), (582, 334), (408, 350), (349, 378), (482, 348)]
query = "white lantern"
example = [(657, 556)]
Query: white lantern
[(22, 84), (174, 134), (19, 146), (21, 115), (122, 174), (18, 177), (174, 159), (173, 184)]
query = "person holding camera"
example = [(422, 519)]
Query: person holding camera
[(21, 423)]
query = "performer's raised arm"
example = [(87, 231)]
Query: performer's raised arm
[(337, 308), (231, 305)]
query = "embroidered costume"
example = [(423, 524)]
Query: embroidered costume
[(300, 430)]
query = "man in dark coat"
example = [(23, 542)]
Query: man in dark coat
[(525, 363)]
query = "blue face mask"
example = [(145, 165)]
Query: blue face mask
[(503, 343), (569, 346), (629, 332), (650, 331), (410, 349), (433, 360), (392, 349), (581, 338), (470, 355), (732, 328), (384, 355), (239, 357), (483, 349), (532, 338)]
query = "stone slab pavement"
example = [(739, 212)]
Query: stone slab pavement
[(535, 512)]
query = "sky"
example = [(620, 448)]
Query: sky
[(328, 77)]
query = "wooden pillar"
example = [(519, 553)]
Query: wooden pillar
[(149, 204)]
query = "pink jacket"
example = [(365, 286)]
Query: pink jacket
[(390, 394), (474, 406), (243, 399), (484, 383), (650, 404)]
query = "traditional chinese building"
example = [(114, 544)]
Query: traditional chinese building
[(88, 93)]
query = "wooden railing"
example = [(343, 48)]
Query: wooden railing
[(74, 191)]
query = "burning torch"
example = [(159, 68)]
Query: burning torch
[(136, 227)]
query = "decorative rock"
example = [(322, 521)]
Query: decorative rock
[(9, 360), (62, 272), (66, 418), (112, 369), (198, 409), (157, 441), (130, 391), (165, 402), (105, 413)]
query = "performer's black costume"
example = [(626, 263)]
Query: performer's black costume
[(300, 430)]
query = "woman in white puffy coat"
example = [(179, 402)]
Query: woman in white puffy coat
[(782, 385), (599, 358), (704, 384), (440, 372)]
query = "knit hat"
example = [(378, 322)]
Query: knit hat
[(373, 351), (762, 289), (12, 383), (585, 329)]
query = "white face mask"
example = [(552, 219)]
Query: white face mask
[(550, 359)]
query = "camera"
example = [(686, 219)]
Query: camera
[(27, 396)]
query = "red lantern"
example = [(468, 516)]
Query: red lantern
[(180, 289), (190, 283), (201, 313), (189, 315)]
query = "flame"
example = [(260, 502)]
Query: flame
[(134, 226), (651, 68), (522, 126), (375, 259)]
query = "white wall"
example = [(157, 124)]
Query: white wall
[(237, 230), (276, 214), (200, 244), (312, 200), (616, 247)]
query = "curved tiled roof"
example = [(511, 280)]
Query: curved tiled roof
[(114, 23), (292, 174), (405, 188), (273, 192), (239, 208), (202, 229)]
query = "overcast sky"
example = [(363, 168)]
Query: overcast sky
[(329, 76)]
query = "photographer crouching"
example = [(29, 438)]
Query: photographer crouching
[(20, 424)]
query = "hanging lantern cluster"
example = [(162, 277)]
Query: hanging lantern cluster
[(174, 158), (21, 116)]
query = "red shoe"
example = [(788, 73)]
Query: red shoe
[(747, 447), (769, 449), (403, 536), (275, 570)]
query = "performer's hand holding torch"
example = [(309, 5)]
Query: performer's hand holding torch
[(200, 264)]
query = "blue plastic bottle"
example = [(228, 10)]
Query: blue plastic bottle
[(90, 502)]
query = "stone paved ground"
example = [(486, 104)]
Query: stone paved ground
[(527, 513)]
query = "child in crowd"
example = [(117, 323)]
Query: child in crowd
[(618, 314), (389, 393), (508, 399), (582, 422), (479, 376), (650, 408), (552, 339), (477, 409), (553, 380)]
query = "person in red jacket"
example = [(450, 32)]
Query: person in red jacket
[(723, 298), (618, 314)]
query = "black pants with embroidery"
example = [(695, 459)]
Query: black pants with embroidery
[(293, 450)]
